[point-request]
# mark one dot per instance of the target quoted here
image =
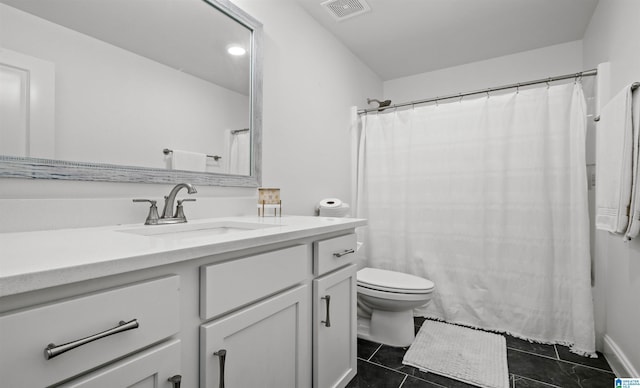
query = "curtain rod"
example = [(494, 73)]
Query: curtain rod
[(585, 73), (236, 131)]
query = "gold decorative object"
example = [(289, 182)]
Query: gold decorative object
[(269, 198)]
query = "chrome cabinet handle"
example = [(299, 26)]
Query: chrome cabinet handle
[(53, 350), (222, 353), (327, 323), (345, 252), (175, 380)]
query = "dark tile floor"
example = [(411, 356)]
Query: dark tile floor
[(530, 366)]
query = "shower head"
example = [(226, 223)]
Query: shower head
[(381, 104)]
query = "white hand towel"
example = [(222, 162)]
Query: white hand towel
[(634, 209), (189, 161), (614, 163)]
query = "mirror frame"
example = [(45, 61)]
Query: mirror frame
[(38, 168)]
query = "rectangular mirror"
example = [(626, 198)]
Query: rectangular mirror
[(156, 91)]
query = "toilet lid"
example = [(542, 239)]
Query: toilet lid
[(385, 280)]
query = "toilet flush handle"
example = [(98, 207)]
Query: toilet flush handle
[(343, 253)]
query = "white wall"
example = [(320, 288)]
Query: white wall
[(525, 66), (310, 82), (612, 36)]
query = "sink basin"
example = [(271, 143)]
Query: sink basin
[(195, 230)]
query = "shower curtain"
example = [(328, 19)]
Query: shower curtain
[(238, 152), (486, 197)]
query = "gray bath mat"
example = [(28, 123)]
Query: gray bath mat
[(473, 356)]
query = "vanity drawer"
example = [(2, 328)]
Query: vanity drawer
[(236, 283), (151, 367), (25, 335), (333, 253)]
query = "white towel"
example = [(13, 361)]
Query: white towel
[(614, 163), (238, 156), (634, 213), (189, 161)]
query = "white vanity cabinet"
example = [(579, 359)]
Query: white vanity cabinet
[(272, 307), (279, 342), (334, 312)]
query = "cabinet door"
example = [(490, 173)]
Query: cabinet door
[(151, 368), (334, 328), (267, 344)]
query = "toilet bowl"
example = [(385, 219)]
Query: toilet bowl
[(386, 300)]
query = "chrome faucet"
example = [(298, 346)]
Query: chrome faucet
[(167, 212), (168, 216)]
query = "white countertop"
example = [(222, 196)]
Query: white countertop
[(35, 260)]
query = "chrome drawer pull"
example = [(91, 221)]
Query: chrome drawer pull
[(345, 252), (53, 350), (222, 353), (327, 323), (175, 380)]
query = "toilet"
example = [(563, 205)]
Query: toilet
[(386, 300)]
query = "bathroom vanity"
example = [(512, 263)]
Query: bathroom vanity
[(235, 302)]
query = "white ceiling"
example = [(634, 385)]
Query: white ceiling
[(398, 38)]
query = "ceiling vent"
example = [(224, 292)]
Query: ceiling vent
[(345, 9)]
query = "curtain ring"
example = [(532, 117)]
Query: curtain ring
[(488, 90), (548, 82), (518, 89), (437, 101), (460, 101)]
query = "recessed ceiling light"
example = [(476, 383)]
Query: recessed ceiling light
[(236, 50)]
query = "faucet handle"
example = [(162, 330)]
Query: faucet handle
[(152, 217), (180, 209)]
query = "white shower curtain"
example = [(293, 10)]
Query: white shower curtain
[(487, 197), (238, 152)]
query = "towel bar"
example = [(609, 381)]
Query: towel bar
[(634, 86), (167, 151)]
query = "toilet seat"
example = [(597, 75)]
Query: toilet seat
[(390, 281)]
